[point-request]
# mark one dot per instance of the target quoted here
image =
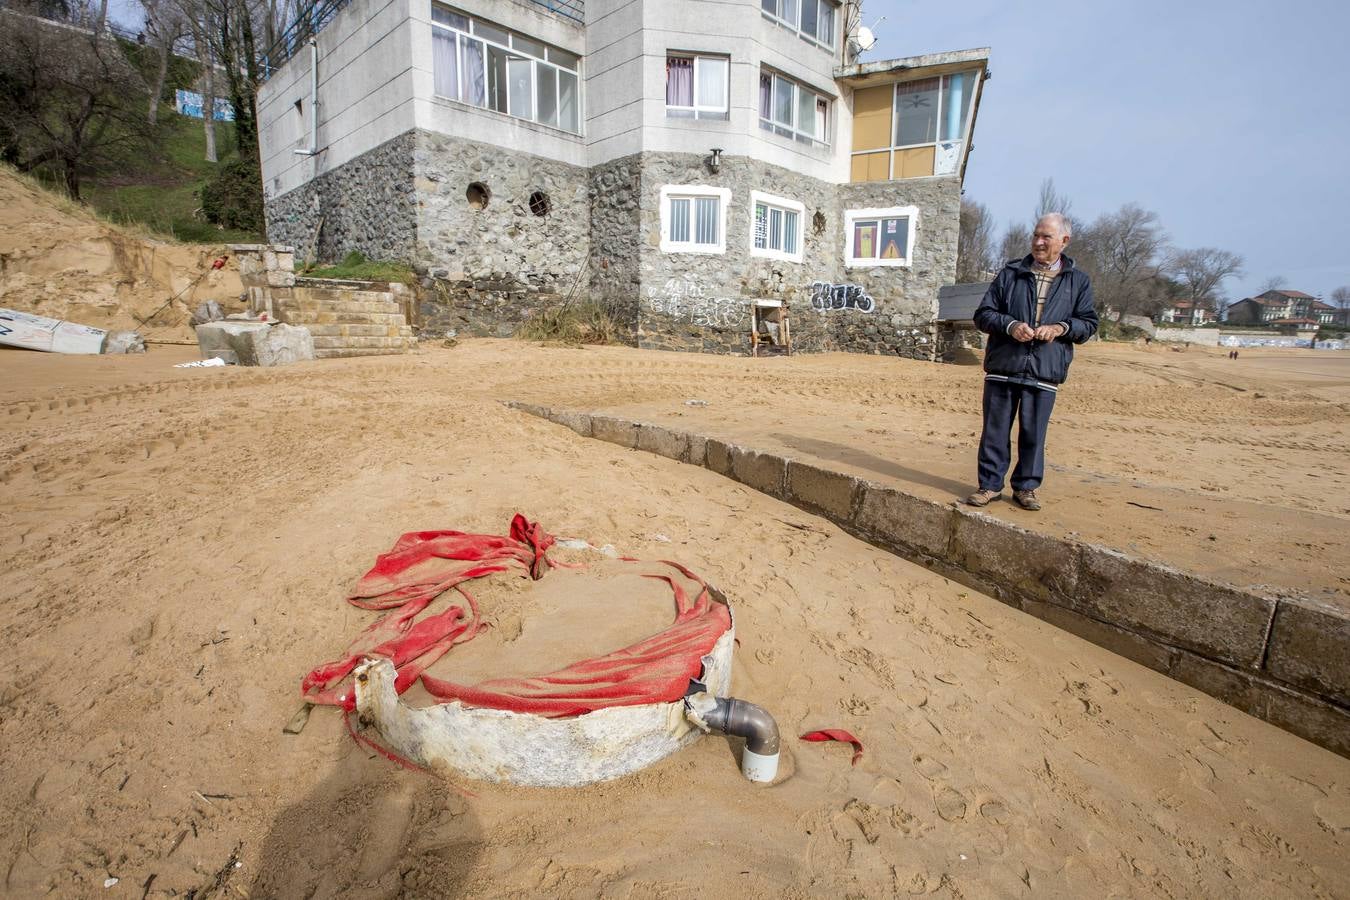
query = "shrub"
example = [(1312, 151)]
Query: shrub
[(586, 322), (233, 198)]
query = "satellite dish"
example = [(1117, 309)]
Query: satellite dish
[(864, 39)]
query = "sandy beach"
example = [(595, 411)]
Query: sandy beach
[(178, 544)]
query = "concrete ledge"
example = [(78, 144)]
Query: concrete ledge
[(1028, 563), (1286, 663), (820, 490), (761, 471), (1310, 647), (615, 431), (904, 522), (663, 442), (1188, 612)]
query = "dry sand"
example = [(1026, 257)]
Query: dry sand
[(177, 543)]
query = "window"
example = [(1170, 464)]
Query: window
[(880, 237), (696, 86), (793, 110), (812, 19), (694, 218), (483, 65), (776, 227), (914, 129)]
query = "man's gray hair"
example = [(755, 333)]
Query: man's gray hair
[(1059, 220)]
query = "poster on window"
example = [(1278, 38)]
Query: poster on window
[(865, 240), (894, 233)]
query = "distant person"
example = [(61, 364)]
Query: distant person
[(1034, 312)]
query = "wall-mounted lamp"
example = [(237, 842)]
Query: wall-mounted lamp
[(715, 161)]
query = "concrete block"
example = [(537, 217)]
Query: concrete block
[(718, 456), (1134, 647), (900, 520), (1309, 717), (616, 431), (1211, 619), (823, 491), (577, 421), (277, 278), (761, 471), (698, 450), (533, 409), (663, 442), (213, 338), (1030, 564), (1310, 647), (277, 345)]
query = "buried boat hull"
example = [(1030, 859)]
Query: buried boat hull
[(527, 749)]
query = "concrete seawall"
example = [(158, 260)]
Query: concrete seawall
[(1284, 660)]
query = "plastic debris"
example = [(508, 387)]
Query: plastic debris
[(211, 363)]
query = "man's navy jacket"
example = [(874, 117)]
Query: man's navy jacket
[(1012, 298)]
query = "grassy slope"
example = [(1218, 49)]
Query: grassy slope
[(162, 194)]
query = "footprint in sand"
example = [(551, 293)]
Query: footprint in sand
[(951, 806), (995, 812), (928, 767)]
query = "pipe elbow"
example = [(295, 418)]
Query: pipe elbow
[(744, 719)]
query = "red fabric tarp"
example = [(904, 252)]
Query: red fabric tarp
[(425, 564)]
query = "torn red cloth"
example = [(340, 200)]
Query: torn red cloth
[(425, 564), (836, 734)]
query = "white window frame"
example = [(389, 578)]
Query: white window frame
[(797, 25), (795, 133), (785, 205), (701, 110), (462, 65), (694, 192), (893, 212)]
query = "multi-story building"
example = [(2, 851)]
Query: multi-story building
[(677, 160)]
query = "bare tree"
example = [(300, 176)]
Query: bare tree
[(1016, 242), (1273, 283), (165, 24), (975, 243), (1123, 252), (68, 100), (1201, 272), (1052, 201), (1340, 298)]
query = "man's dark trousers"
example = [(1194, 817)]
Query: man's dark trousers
[(1031, 406)]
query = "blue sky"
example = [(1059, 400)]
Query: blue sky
[(1230, 120)]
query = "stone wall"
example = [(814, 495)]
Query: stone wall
[(496, 264), (615, 195), (367, 205)]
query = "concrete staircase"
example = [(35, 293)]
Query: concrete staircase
[(347, 318)]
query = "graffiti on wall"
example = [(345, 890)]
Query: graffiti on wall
[(682, 297), (826, 296)]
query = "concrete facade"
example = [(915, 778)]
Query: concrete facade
[(400, 172)]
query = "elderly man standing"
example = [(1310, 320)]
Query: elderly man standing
[(1034, 312)]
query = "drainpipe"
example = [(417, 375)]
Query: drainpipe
[(759, 759), (313, 100)]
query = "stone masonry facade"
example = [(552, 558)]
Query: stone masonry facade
[(498, 235)]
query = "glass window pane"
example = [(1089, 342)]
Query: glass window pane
[(775, 229), (765, 96), (782, 101), (894, 237), (563, 58), (705, 220), (790, 232), (761, 226), (491, 32), (806, 112), (865, 240), (548, 94), (789, 11), (679, 81), (769, 6), (712, 83), (445, 63), (810, 10), (569, 110), (528, 46), (955, 103), (472, 87), (825, 33), (822, 119), (446, 17), (679, 221), (916, 112), (520, 75)]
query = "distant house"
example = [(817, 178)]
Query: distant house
[(1184, 312), (1273, 306)]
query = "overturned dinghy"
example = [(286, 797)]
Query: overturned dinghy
[(589, 721)]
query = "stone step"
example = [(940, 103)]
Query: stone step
[(338, 342), (359, 330), (340, 295), (341, 318), (341, 352), (338, 306)]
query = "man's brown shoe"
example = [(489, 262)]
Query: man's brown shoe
[(983, 498), (1027, 500)]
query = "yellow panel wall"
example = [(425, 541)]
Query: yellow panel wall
[(871, 166), (915, 162), (872, 117)]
